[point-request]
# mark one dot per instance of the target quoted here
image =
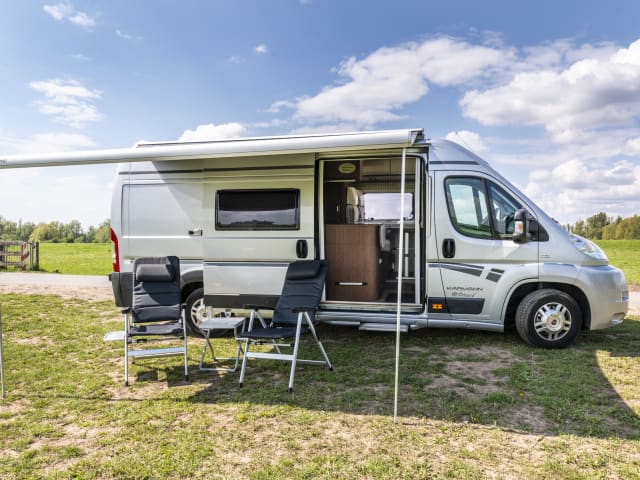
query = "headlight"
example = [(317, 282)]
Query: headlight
[(588, 247)]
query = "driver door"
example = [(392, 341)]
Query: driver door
[(474, 229)]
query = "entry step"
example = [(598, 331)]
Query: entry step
[(382, 327)]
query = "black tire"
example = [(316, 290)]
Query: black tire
[(194, 310), (548, 318)]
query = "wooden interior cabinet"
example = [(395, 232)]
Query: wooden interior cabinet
[(353, 252)]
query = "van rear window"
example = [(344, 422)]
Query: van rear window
[(258, 209)]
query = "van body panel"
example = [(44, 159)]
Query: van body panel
[(251, 259)]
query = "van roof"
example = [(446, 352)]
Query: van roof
[(225, 148)]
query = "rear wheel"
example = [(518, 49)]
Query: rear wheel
[(548, 318), (196, 311)]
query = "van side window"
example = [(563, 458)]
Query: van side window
[(467, 203), (480, 208), (258, 209), (503, 208)]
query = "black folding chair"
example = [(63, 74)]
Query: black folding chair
[(157, 313), (293, 316)]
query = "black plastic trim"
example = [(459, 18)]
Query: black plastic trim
[(465, 306), (239, 301)]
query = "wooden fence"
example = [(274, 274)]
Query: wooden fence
[(19, 254)]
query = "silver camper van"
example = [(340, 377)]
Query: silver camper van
[(405, 222)]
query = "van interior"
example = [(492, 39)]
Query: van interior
[(361, 201)]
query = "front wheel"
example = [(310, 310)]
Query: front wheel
[(548, 318)]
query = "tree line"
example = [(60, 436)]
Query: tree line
[(603, 227), (55, 232)]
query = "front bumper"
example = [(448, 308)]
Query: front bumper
[(608, 295)]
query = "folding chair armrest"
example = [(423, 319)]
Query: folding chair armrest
[(303, 308), (251, 306)]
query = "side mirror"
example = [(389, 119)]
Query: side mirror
[(521, 226)]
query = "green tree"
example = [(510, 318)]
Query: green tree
[(45, 232), (8, 229), (579, 228), (595, 224)]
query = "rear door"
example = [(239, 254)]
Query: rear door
[(258, 219)]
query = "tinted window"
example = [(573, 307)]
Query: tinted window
[(258, 210)]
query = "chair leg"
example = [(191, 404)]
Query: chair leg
[(315, 336), (244, 362), (207, 345), (184, 339), (126, 350), (296, 345)]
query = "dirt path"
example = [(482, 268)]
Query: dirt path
[(97, 288), (87, 287)]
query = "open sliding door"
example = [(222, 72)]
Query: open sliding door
[(360, 232)]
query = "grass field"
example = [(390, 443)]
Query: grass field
[(624, 254), (472, 405), (76, 258)]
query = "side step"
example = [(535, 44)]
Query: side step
[(382, 327)]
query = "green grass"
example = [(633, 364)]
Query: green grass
[(76, 258), (624, 254), (472, 405)]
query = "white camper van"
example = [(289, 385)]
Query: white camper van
[(426, 225)]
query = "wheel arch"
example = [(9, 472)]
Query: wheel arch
[(191, 281), (523, 290)]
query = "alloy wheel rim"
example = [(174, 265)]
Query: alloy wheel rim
[(552, 321)]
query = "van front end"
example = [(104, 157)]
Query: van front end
[(606, 288)]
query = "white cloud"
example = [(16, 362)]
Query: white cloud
[(375, 88), (260, 49), (325, 128), (469, 140), (58, 193), (68, 101), (66, 11), (80, 56), (577, 189), (55, 193), (214, 132), (632, 147), (236, 59), (46, 143), (127, 36), (591, 93)]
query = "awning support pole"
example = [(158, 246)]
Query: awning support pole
[(400, 274), (4, 394)]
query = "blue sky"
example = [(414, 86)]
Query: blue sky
[(548, 92)]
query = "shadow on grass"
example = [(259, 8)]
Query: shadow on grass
[(458, 376)]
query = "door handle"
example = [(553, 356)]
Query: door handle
[(302, 249), (196, 232), (448, 248)]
